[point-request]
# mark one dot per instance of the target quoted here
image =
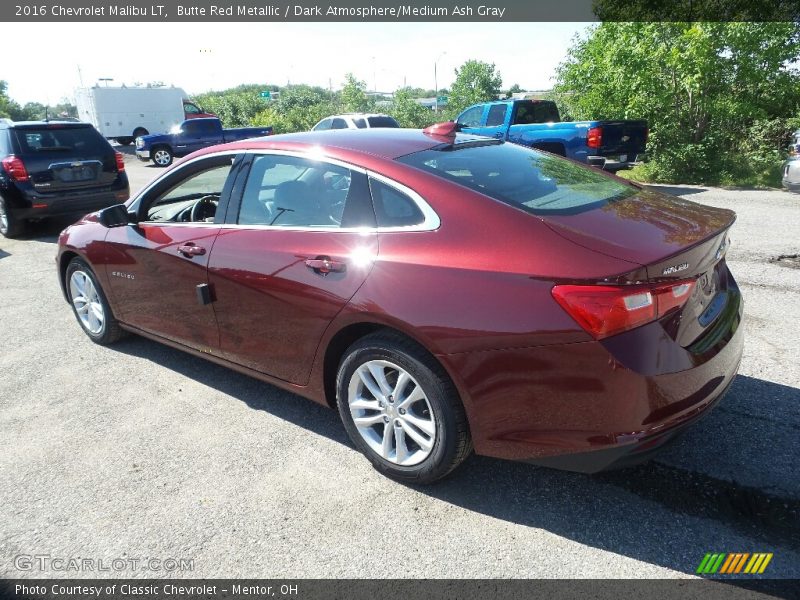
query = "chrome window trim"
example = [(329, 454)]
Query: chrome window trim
[(431, 221)]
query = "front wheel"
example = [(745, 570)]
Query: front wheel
[(90, 305), (162, 156), (401, 410)]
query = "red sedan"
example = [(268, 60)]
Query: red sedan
[(446, 292)]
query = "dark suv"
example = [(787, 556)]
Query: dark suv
[(52, 168)]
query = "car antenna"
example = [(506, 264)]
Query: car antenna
[(46, 116)]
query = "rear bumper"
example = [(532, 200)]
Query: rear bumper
[(38, 206), (591, 406)]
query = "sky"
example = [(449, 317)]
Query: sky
[(200, 57)]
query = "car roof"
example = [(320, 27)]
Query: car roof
[(387, 143), (356, 114), (51, 122)]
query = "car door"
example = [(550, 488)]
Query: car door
[(295, 250), (194, 136), (157, 269), (496, 121)]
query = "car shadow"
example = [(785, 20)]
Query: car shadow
[(658, 512), (46, 230), (3, 253), (677, 190)]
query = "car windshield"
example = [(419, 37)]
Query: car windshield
[(536, 182)]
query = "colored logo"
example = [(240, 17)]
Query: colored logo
[(734, 562)]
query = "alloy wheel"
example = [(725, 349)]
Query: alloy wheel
[(391, 412), (87, 302), (161, 158)]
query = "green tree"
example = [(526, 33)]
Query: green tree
[(476, 81), (408, 112), (711, 92), (514, 89), (353, 95)]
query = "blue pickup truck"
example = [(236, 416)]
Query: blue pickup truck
[(191, 135), (612, 145)]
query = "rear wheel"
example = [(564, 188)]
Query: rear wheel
[(10, 226), (401, 410), (90, 305), (162, 156)]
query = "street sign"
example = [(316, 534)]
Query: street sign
[(265, 94), (441, 100)]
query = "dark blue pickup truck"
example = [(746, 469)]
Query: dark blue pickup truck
[(612, 145), (191, 135)]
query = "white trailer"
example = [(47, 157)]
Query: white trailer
[(124, 113)]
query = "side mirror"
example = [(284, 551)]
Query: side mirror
[(116, 216)]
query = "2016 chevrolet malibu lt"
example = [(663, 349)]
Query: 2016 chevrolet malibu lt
[(446, 292)]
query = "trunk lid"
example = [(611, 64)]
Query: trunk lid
[(62, 157), (676, 241)]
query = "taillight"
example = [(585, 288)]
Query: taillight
[(594, 138), (120, 161), (604, 311), (15, 168)]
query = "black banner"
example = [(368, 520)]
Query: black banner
[(396, 589), (399, 10)]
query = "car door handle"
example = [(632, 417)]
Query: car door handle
[(191, 249), (323, 266)]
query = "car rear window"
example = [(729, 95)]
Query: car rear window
[(521, 177), (382, 122), (77, 141)]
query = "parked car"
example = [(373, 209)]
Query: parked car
[(612, 145), (125, 113), (52, 168), (445, 291), (791, 168), (355, 121), (191, 135)]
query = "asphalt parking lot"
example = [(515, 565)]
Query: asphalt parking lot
[(139, 451)]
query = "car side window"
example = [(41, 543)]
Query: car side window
[(339, 124), (323, 125), (289, 191), (471, 118), (190, 108), (191, 128), (497, 115), (393, 208), (360, 122), (193, 198)]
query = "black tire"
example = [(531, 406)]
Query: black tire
[(125, 141), (110, 331), (139, 131), (10, 225), (451, 442), (158, 152)]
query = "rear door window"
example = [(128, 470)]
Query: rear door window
[(339, 124), (393, 208), (497, 115), (289, 191), (360, 123)]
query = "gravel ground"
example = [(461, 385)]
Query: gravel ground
[(140, 451)]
